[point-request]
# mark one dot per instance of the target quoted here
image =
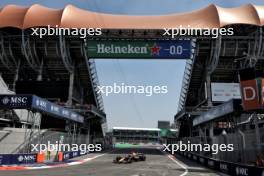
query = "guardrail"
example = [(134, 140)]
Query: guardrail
[(229, 168)]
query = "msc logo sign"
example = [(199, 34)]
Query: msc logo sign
[(252, 94), (26, 158), (20, 158), (5, 100), (14, 100)]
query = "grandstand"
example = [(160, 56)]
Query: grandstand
[(57, 71), (139, 135), (210, 109)]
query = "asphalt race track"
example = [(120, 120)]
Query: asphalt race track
[(157, 164)]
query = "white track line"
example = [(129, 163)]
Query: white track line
[(180, 164), (175, 161)]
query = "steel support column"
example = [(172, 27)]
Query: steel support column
[(6, 55), (211, 66), (211, 130), (89, 132), (74, 133), (208, 90), (258, 141), (65, 54), (16, 76), (71, 86), (30, 53)]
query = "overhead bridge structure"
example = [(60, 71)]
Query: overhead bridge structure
[(210, 109)]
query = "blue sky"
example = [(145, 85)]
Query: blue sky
[(152, 7), (138, 110)]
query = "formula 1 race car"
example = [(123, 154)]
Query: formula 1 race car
[(133, 157)]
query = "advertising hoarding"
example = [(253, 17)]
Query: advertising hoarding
[(45, 106), (222, 92), (7, 159), (174, 49), (33, 102), (252, 94)]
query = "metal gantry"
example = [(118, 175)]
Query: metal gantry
[(94, 78), (226, 53)]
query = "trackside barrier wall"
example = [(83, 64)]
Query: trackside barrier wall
[(69, 155), (8, 159), (225, 167)]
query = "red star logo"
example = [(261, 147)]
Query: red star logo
[(155, 49)]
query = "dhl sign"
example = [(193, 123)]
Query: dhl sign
[(252, 92)]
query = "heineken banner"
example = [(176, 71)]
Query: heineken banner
[(174, 49)]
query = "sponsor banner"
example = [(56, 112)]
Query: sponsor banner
[(69, 155), (250, 94), (222, 92), (15, 101), (66, 156), (32, 102), (7, 159), (75, 154), (215, 112), (45, 106), (24, 158), (175, 49)]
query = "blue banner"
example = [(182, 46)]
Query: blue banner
[(7, 159), (45, 106), (15, 101), (69, 155), (173, 49), (36, 103)]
